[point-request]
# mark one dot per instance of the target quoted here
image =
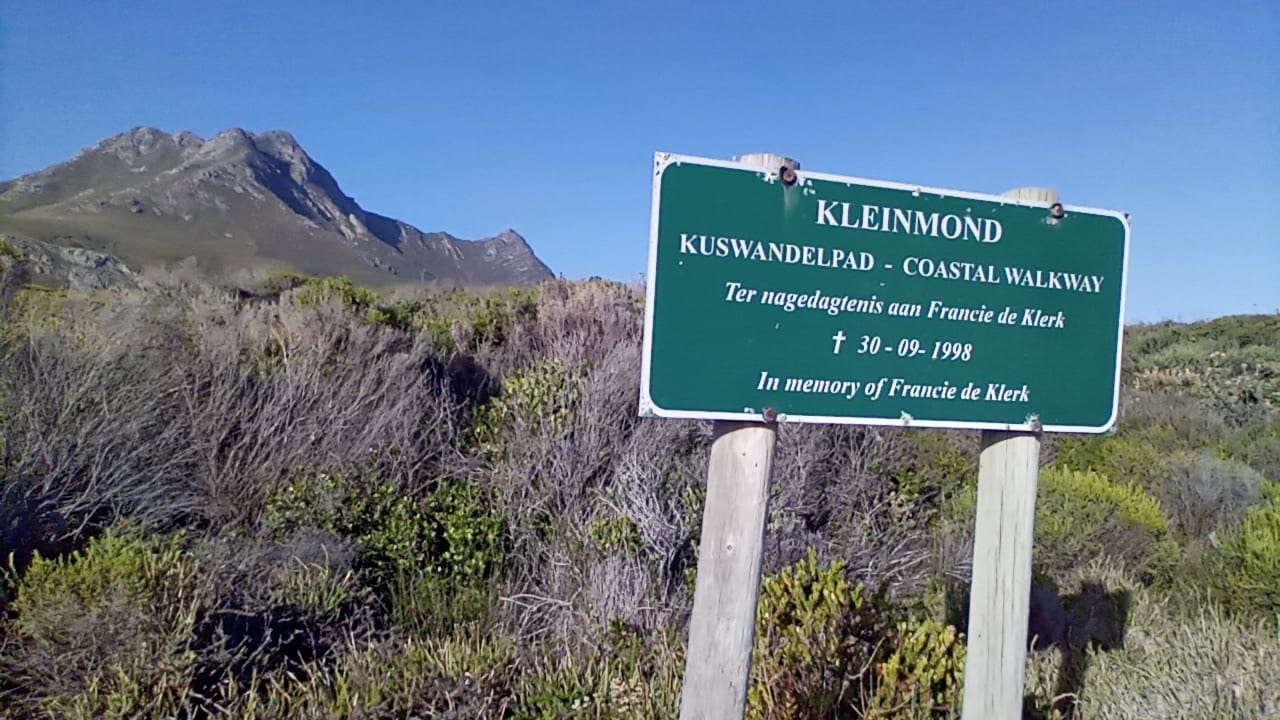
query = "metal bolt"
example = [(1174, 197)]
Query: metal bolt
[(787, 175), (1056, 211), (770, 414)]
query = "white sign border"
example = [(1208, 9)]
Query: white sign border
[(648, 408)]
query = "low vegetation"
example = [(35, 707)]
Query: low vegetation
[(305, 500)]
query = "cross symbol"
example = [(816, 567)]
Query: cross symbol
[(839, 338)]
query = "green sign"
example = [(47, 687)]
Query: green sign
[(841, 300)]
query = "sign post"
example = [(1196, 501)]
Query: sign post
[(1000, 594), (776, 295), (727, 587)]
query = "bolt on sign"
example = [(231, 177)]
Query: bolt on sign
[(819, 298)]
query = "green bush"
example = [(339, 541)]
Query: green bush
[(1251, 557), (315, 291), (923, 676), (399, 315), (1121, 459), (618, 534), (493, 317), (460, 320), (432, 558), (9, 251), (933, 472), (817, 636), (544, 395), (106, 631), (1081, 515), (1257, 446)]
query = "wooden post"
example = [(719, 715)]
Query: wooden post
[(722, 628), (1000, 597)]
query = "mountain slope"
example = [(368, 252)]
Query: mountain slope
[(240, 200)]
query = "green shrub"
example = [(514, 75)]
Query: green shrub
[(923, 676), (432, 558), (618, 534), (544, 396), (1081, 515), (387, 525), (494, 316), (283, 280), (817, 635), (315, 291), (9, 251), (1251, 558), (1257, 446), (934, 471), (1121, 459), (399, 315), (461, 320), (1154, 345), (106, 631)]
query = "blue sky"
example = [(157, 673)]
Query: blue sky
[(471, 117)]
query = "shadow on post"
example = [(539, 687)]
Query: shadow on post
[(1091, 620)]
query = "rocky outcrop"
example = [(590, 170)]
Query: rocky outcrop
[(62, 265)]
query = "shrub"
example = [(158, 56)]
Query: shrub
[(105, 632), (398, 315), (315, 291), (1257, 446), (543, 395), (817, 637), (923, 675), (431, 558), (9, 251), (1252, 559), (278, 281), (935, 469), (1081, 515), (1202, 493), (618, 534), (1170, 421), (461, 320), (1121, 459)]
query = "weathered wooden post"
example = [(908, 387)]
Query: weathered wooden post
[(1000, 597), (727, 589)]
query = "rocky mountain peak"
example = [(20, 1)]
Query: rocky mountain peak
[(511, 237), (133, 145)]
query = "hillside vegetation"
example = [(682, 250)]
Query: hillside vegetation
[(308, 501)]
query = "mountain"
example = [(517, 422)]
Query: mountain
[(240, 200)]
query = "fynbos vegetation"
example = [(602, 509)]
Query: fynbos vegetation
[(310, 501)]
